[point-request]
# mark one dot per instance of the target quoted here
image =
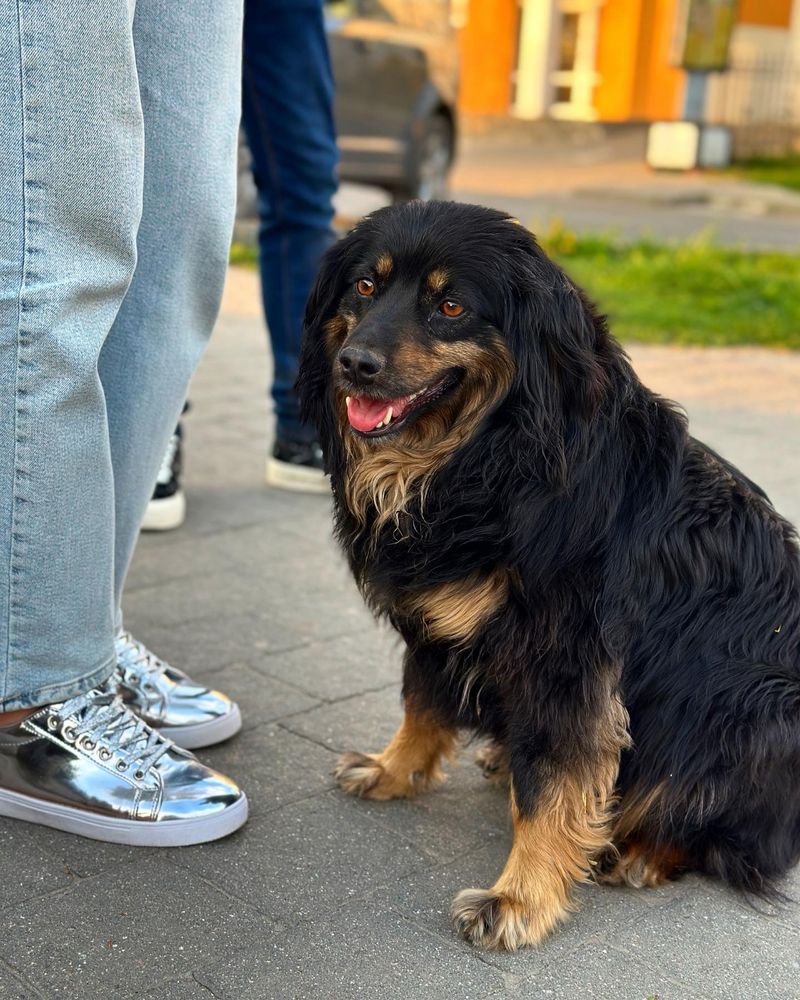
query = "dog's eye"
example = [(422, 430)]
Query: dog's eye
[(365, 287), (451, 309)]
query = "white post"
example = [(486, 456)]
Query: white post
[(534, 90)]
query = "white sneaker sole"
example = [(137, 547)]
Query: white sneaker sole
[(297, 478), (166, 514), (133, 832), (205, 734)]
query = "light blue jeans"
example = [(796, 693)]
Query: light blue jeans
[(118, 123)]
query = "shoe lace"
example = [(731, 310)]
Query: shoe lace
[(165, 472), (134, 654), (100, 717)]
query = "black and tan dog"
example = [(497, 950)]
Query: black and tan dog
[(574, 576)]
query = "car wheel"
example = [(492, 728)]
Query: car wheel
[(431, 157)]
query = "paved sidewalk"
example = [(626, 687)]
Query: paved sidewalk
[(597, 179), (602, 187), (322, 896)]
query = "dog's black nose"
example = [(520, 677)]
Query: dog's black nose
[(360, 364)]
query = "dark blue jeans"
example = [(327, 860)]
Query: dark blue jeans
[(287, 113)]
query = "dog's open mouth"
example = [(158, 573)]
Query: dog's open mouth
[(376, 417)]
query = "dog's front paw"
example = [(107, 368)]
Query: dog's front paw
[(366, 776), (491, 919)]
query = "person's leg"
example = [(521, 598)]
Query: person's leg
[(288, 120), (71, 163), (188, 58)]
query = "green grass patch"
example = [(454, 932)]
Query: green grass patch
[(694, 292), (784, 171), (244, 255), (684, 293)]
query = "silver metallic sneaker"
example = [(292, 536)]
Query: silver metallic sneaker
[(90, 766), (182, 710)]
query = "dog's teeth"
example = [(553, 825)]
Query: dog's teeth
[(388, 418)]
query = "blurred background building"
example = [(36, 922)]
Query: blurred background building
[(617, 61)]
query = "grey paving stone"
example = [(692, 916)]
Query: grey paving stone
[(353, 953), (27, 868), (287, 611), (724, 948), (12, 988), (165, 556), (217, 502), (205, 646), (273, 766), (349, 664), (261, 698), (37, 860), (600, 972), (364, 722), (126, 930), (186, 989), (297, 862), (453, 820), (263, 551)]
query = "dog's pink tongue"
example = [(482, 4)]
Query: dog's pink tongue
[(364, 413)]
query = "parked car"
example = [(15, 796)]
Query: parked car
[(395, 65)]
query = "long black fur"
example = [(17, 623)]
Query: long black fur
[(636, 550)]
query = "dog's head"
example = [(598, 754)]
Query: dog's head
[(427, 318)]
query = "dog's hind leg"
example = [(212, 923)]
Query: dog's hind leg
[(492, 759), (409, 764), (638, 857), (639, 865)]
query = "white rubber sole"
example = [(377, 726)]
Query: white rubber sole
[(133, 832), (297, 478), (166, 514), (205, 734)]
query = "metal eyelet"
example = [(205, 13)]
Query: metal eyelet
[(138, 774), (105, 754), (121, 765), (69, 734), (52, 722), (86, 744), (133, 678), (148, 686)]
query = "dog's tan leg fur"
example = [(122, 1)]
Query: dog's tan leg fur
[(640, 866), (550, 852), (409, 764), (553, 848)]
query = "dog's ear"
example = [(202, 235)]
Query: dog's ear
[(558, 341), (313, 380)]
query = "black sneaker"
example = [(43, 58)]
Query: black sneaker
[(167, 507), (298, 466)]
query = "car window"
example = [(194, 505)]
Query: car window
[(372, 9)]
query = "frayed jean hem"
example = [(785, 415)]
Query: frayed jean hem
[(59, 692)]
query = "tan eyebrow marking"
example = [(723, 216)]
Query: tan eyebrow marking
[(437, 280), (383, 265)]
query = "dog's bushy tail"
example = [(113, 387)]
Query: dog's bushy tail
[(734, 867)]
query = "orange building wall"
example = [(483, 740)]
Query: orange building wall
[(620, 22), (637, 79), (767, 13), (488, 44), (659, 84)]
